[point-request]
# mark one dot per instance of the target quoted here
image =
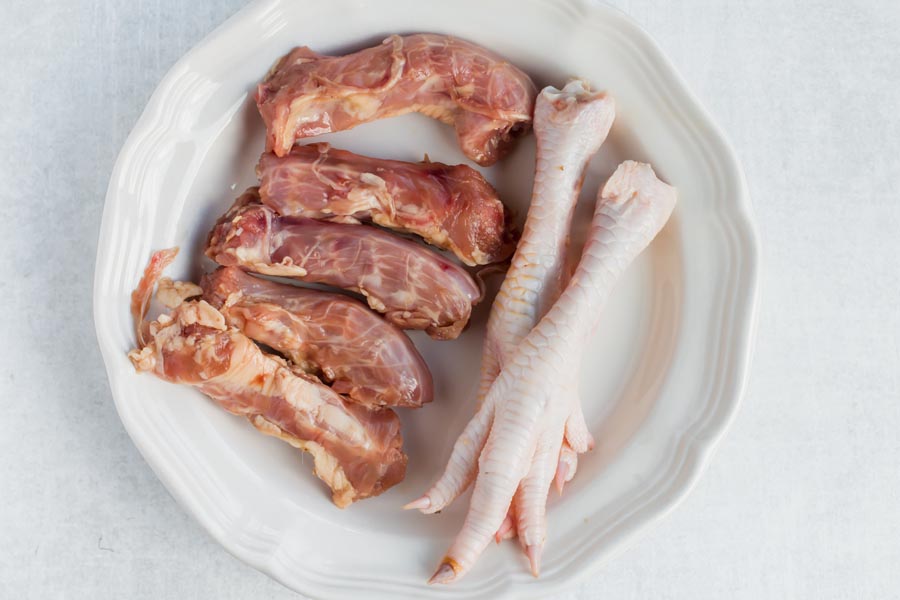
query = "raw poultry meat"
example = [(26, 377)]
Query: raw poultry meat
[(487, 100), (528, 413), (357, 452), (570, 125), (361, 355), (413, 286), (451, 206)]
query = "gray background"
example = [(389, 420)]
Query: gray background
[(803, 498)]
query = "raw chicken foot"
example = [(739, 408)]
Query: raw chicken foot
[(570, 125), (526, 418)]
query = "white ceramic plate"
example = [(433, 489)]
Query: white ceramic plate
[(659, 384)]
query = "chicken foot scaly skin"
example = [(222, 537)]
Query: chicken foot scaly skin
[(570, 125), (527, 417)]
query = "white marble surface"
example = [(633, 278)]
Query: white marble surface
[(803, 498)]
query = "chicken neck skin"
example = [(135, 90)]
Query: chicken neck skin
[(357, 452), (414, 287), (450, 206), (358, 353), (486, 99)]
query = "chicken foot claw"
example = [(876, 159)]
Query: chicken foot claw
[(461, 468), (565, 470), (531, 499)]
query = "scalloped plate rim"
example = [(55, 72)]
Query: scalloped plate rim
[(698, 451)]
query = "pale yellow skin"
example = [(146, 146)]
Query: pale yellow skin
[(526, 415), (570, 125)]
